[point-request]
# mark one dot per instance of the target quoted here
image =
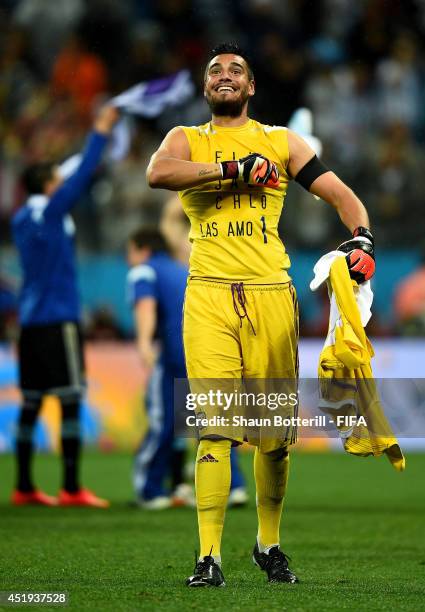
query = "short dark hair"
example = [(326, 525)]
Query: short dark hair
[(230, 47), (150, 237), (35, 176)]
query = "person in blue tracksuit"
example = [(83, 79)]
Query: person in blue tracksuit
[(156, 284), (50, 345)]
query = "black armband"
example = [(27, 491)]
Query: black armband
[(310, 172)]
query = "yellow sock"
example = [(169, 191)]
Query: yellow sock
[(212, 483), (271, 477)]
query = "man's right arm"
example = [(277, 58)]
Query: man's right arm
[(170, 166)]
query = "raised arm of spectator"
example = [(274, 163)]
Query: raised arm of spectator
[(69, 192)]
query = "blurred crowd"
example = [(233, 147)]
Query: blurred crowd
[(358, 65)]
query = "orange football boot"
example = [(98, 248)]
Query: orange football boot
[(82, 497), (36, 497)]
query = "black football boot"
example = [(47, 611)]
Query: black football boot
[(275, 563), (206, 573)]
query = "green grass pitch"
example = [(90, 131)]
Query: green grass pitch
[(353, 527)]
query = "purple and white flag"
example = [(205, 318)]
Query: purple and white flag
[(151, 98), (120, 140), (147, 99)]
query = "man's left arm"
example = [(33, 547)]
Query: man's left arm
[(326, 185), (145, 319), (314, 176)]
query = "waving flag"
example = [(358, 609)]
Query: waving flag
[(148, 99), (151, 98)]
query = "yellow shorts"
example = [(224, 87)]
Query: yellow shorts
[(239, 331)]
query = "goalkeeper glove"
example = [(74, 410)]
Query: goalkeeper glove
[(254, 169), (360, 256)]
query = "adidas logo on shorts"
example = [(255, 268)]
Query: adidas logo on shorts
[(208, 459)]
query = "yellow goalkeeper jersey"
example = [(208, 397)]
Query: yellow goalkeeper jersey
[(234, 231)]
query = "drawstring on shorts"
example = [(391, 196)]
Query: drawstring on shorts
[(239, 299)]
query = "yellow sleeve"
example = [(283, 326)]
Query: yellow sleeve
[(192, 135), (278, 136)]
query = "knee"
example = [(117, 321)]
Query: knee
[(280, 454), (218, 450)]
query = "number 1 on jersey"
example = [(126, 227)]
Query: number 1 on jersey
[(264, 229)]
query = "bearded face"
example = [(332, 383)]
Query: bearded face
[(227, 85)]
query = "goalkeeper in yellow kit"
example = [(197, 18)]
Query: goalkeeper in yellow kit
[(240, 316)]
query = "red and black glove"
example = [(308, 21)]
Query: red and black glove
[(360, 255), (254, 169)]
